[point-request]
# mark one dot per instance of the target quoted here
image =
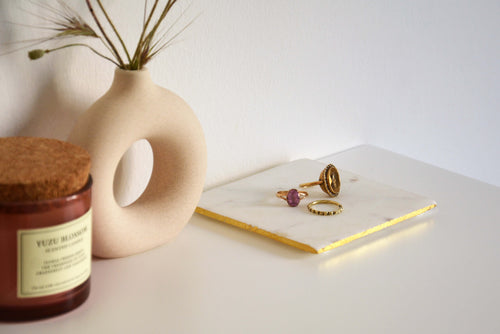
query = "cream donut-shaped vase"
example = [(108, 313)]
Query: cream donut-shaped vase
[(135, 108)]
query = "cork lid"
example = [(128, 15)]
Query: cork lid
[(39, 168)]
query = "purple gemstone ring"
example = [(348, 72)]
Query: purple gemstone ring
[(292, 196)]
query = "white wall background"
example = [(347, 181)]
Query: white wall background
[(276, 80)]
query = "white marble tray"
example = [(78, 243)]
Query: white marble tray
[(251, 204)]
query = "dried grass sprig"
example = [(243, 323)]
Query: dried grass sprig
[(65, 21), (68, 23)]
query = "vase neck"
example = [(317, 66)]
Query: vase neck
[(126, 79)]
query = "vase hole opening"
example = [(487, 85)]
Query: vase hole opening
[(133, 173)]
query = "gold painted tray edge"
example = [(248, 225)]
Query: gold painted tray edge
[(303, 246)]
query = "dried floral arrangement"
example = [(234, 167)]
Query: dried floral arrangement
[(67, 23)]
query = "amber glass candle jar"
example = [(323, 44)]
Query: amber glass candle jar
[(45, 227)]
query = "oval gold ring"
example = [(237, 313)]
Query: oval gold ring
[(329, 181), (324, 213)]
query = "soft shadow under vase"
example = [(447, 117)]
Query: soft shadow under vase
[(135, 108)]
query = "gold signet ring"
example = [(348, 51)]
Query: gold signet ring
[(329, 181)]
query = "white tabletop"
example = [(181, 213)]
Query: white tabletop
[(437, 273)]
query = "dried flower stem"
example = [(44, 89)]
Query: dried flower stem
[(146, 48), (140, 43), (111, 45), (167, 8), (35, 54), (114, 29)]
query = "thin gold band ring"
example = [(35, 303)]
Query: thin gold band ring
[(324, 213)]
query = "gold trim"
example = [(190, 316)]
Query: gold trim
[(305, 247), (375, 229), (255, 229)]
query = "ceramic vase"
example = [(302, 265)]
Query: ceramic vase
[(136, 108)]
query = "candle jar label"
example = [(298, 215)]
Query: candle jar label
[(54, 259)]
